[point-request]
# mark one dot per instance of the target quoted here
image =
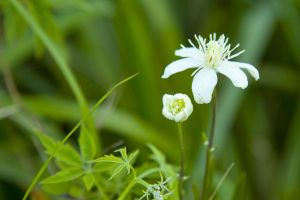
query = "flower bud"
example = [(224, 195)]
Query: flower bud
[(177, 107)]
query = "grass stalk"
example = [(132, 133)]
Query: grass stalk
[(209, 149)]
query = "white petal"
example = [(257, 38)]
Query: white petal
[(250, 68), (180, 117), (181, 65), (189, 52), (167, 114), (181, 96), (203, 85), (167, 98), (235, 74)]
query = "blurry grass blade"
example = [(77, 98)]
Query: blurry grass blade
[(157, 155), (221, 181), (43, 168), (289, 174), (166, 27), (57, 55), (258, 19), (7, 111), (289, 18), (11, 170), (132, 31)]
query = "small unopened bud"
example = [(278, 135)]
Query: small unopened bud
[(177, 107)]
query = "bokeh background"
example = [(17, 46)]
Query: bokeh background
[(104, 41)]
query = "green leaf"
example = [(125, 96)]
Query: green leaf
[(89, 181), (131, 158), (108, 158), (119, 164), (123, 153), (64, 176), (102, 167), (66, 153), (87, 144), (117, 171)]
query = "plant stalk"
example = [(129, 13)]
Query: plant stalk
[(181, 173), (209, 148)]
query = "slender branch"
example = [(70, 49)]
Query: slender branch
[(209, 147), (181, 174)]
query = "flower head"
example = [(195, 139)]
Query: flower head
[(177, 107), (210, 57)]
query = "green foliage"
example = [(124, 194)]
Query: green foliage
[(57, 57), (91, 170), (64, 175), (66, 153)]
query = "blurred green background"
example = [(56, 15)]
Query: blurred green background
[(104, 41)]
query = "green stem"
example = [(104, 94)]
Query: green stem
[(181, 174), (209, 148)]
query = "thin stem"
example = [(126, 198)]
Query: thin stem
[(221, 181), (209, 147), (181, 174)]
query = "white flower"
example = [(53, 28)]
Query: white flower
[(210, 58), (177, 107)]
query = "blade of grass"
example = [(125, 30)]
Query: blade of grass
[(258, 19), (57, 55), (43, 168), (221, 182)]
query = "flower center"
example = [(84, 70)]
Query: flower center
[(213, 54), (177, 106)]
